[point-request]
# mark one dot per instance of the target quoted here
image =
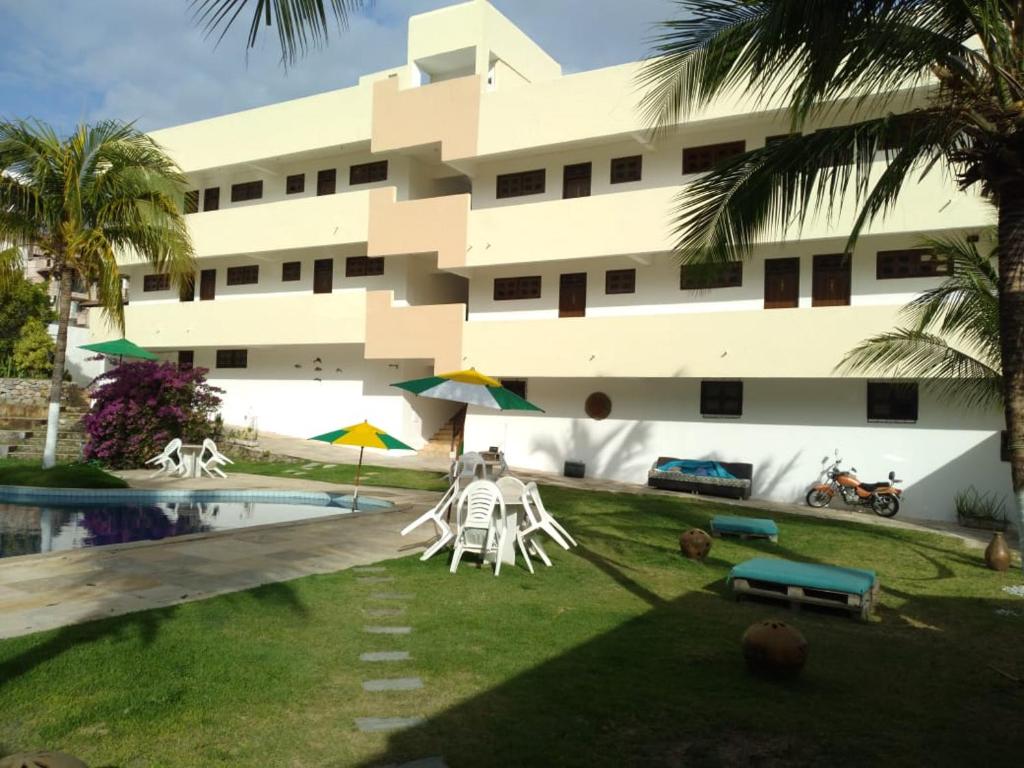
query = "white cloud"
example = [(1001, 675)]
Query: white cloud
[(67, 60)]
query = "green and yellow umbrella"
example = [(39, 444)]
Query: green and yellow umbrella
[(120, 348), (470, 387), (363, 435)]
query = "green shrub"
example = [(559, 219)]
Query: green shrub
[(33, 351)]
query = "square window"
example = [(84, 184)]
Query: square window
[(911, 262), (291, 271), (156, 283), (513, 288), (367, 173), (364, 266), (247, 275), (232, 358), (626, 169), (521, 184), (721, 398), (892, 401), (620, 281), (295, 184)]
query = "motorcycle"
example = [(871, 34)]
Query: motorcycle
[(883, 497)]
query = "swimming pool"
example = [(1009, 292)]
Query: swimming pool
[(27, 529)]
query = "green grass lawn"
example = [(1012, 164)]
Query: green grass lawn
[(22, 472), (622, 654), (390, 477)]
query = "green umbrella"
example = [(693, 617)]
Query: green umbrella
[(120, 348)]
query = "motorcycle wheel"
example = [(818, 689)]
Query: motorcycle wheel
[(886, 505), (818, 499)]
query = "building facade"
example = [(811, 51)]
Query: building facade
[(476, 207)]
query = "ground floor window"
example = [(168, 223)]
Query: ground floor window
[(892, 401), (232, 358), (515, 386), (721, 398), (186, 359)]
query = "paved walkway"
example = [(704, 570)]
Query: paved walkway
[(47, 591)]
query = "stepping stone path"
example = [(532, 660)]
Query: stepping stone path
[(387, 684), (310, 466)]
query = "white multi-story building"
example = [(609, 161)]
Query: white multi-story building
[(476, 207)]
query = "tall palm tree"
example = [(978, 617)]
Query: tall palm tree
[(301, 24), (961, 62), (951, 336), (106, 190)]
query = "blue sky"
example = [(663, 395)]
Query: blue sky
[(67, 60)]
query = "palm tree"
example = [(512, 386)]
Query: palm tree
[(921, 84), (301, 24), (951, 339), (106, 190)]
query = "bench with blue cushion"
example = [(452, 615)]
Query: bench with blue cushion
[(853, 589), (744, 527)]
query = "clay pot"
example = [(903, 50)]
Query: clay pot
[(775, 648), (997, 554), (695, 544), (41, 760)]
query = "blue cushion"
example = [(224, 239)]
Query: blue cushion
[(852, 581), (699, 468), (754, 525)]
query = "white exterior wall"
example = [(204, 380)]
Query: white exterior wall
[(785, 430)]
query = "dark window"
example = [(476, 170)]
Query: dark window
[(700, 159), (186, 358), (627, 169), (515, 386), (522, 183), (192, 201), (295, 184), (247, 275), (830, 286), (187, 289), (247, 190), (781, 283), (367, 173), (232, 358), (211, 199), (326, 181), (364, 266), (620, 281), (572, 294), (576, 180), (913, 262), (892, 401), (291, 271), (509, 288), (207, 284), (156, 283), (323, 276), (694, 277), (721, 398)]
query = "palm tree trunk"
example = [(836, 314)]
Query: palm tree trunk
[(1011, 329), (57, 382)]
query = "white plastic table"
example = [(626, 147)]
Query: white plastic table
[(190, 454)]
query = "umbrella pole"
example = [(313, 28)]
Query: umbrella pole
[(359, 466)]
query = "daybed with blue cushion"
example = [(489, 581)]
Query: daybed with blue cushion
[(713, 478), (852, 589)]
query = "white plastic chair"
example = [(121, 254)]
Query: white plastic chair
[(212, 464), (436, 515), (166, 459), (467, 468), (545, 521), (480, 513)]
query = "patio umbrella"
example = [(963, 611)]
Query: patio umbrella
[(120, 348), (364, 435)]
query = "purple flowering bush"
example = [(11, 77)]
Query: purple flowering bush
[(140, 407)]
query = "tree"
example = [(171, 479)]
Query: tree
[(20, 301), (105, 190), (923, 85), (33, 351), (951, 339), (301, 24)]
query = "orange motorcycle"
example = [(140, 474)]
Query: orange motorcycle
[(883, 497)]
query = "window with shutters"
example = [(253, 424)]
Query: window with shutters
[(892, 401), (247, 190), (291, 271), (830, 286), (192, 201), (515, 386), (620, 281), (367, 173), (247, 275), (323, 276), (576, 180), (211, 199), (364, 266), (186, 359), (156, 283), (512, 288), (521, 184), (781, 283), (695, 277), (626, 169), (295, 184), (232, 358), (701, 159), (911, 262), (326, 181), (721, 398)]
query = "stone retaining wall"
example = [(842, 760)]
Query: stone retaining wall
[(35, 392)]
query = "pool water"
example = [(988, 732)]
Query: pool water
[(30, 529)]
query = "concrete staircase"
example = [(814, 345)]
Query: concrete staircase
[(23, 432), (441, 442)]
